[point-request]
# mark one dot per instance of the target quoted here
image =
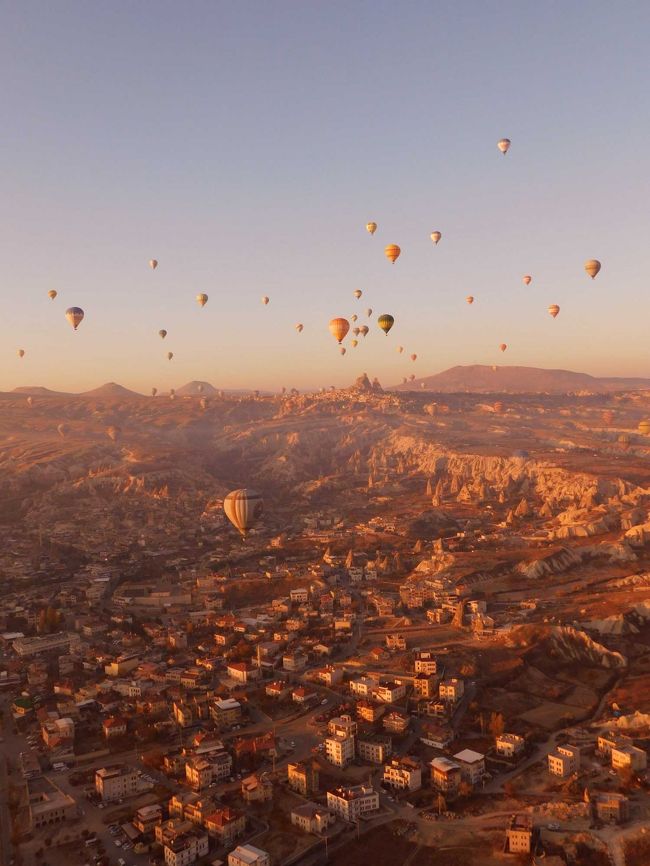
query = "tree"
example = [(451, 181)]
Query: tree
[(465, 789), (442, 804), (497, 725)]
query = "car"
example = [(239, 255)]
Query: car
[(126, 846), (323, 702), (117, 843)]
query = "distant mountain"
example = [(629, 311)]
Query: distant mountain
[(196, 389), (111, 389), (39, 391), (479, 378)]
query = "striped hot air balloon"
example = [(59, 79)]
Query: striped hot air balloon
[(243, 508), (392, 252), (339, 328)]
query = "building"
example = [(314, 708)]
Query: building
[(374, 748), (609, 740), (299, 595), (256, 789), (50, 808), (329, 675), (451, 690), (225, 825), (113, 727), (353, 802), (436, 736), (248, 855), (340, 750), (519, 834), (424, 685), (243, 672), (186, 848), (362, 686), (342, 726), (445, 775), (388, 693), (629, 758), (294, 661), (395, 723), (396, 642), (202, 770), (62, 642), (226, 713), (312, 818), (564, 761), (278, 689), (404, 774), (369, 712), (472, 765), (303, 778), (612, 808), (122, 665), (425, 663), (147, 818), (509, 745), (116, 783)]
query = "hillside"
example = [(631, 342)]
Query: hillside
[(479, 378), (111, 389), (196, 388)]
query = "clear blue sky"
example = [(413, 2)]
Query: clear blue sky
[(246, 144)]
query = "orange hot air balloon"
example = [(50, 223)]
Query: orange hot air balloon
[(371, 228), (400, 349), (357, 293), (528, 280), (503, 347), (202, 299), (52, 294), (470, 299), (339, 327), (414, 357), (498, 406), (153, 264), (553, 310), (592, 266), (342, 350), (644, 427), (354, 317), (21, 353), (504, 145), (435, 237), (265, 299), (608, 416), (392, 252)]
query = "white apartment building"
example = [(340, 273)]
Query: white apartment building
[(425, 663), (340, 750), (404, 774), (564, 761), (509, 745), (116, 783), (186, 848), (249, 855), (353, 802), (472, 765)]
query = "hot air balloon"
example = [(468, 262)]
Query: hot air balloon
[(392, 252), (553, 310), (357, 293), (470, 299), (414, 357), (400, 349), (299, 328), (354, 344), (265, 300), (435, 237), (504, 145), (342, 350), (527, 279), (356, 331), (21, 353), (62, 430), (386, 322), (339, 328), (200, 387), (364, 330), (30, 401), (592, 266), (354, 317), (162, 334), (494, 368), (371, 228), (172, 392), (203, 402), (52, 294), (113, 433), (202, 299), (624, 441), (153, 264), (154, 391), (369, 312), (644, 427), (498, 406), (243, 508), (608, 416), (412, 377), (75, 316), (170, 355), (503, 347)]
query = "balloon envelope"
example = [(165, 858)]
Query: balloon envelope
[(21, 353), (414, 357), (265, 300), (170, 355), (644, 427), (357, 293), (202, 299), (592, 266), (554, 310), (75, 316), (243, 508), (470, 299), (299, 328), (386, 322), (154, 391), (435, 236), (339, 328), (528, 279), (392, 252), (162, 334), (153, 264), (504, 145), (371, 228), (52, 294), (503, 347)]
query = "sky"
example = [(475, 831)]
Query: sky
[(245, 145)]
